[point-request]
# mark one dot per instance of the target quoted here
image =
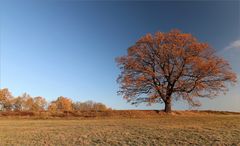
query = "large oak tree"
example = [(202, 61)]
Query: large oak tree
[(172, 66)]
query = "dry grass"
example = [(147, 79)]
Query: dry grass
[(203, 129), (104, 114)]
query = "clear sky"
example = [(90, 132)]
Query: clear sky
[(67, 47)]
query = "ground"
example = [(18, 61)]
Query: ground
[(159, 130)]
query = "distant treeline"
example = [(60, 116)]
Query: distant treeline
[(25, 102)]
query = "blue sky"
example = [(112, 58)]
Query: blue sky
[(59, 47)]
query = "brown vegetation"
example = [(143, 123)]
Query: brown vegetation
[(207, 129), (100, 125), (172, 66), (25, 105), (108, 114)]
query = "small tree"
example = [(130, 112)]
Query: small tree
[(26, 102), (99, 107), (52, 107), (29, 104), (40, 103), (79, 106), (5, 99), (18, 103), (172, 66), (63, 104), (89, 105)]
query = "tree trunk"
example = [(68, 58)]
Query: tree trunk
[(168, 107)]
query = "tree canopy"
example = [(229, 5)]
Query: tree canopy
[(172, 66), (62, 104)]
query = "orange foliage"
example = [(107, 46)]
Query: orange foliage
[(61, 104), (5, 99), (171, 66), (25, 105)]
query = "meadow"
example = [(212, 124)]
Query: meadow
[(203, 129)]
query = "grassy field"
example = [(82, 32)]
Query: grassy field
[(160, 130)]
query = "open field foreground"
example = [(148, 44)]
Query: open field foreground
[(160, 130)]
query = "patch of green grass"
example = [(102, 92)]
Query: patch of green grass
[(161, 130)]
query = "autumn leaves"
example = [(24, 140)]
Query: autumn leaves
[(171, 66), (38, 104)]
